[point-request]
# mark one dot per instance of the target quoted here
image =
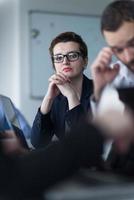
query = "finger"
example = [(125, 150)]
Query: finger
[(108, 50), (105, 57), (55, 82), (102, 67), (57, 78), (103, 61), (60, 79), (8, 134), (66, 78)]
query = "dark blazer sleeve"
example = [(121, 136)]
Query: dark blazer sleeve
[(42, 131), (60, 119)]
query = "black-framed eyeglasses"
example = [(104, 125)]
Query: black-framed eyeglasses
[(71, 56)]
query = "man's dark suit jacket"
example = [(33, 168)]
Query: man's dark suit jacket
[(55, 122), (33, 173)]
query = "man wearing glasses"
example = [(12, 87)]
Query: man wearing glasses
[(69, 90)]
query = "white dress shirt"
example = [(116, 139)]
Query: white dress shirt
[(125, 78), (110, 99)]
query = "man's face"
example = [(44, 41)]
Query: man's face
[(122, 43)]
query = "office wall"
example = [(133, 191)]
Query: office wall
[(14, 44), (9, 49)]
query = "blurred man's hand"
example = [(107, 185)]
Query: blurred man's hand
[(119, 127), (11, 144)]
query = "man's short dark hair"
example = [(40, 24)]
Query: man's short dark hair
[(116, 13)]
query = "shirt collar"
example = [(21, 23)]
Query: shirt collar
[(125, 72)]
